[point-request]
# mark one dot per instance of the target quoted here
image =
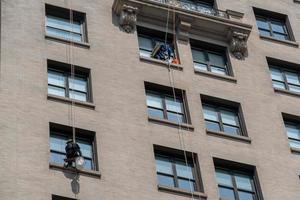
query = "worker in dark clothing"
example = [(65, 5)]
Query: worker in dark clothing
[(72, 152), (163, 52)]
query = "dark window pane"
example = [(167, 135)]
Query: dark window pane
[(210, 113), (231, 130), (262, 23), (78, 95), (56, 78), (154, 100), (200, 66), (57, 158), (246, 196), (56, 91), (229, 117), (276, 74), (226, 193), (292, 131), (294, 88), (145, 43), (155, 113), (292, 78), (216, 59), (280, 36), (174, 105), (294, 144), (186, 184), (184, 170), (279, 85), (265, 33), (88, 164), (278, 27), (58, 142), (243, 182), (212, 126), (198, 56), (163, 165), (165, 180), (224, 178), (86, 148), (218, 70), (177, 118)]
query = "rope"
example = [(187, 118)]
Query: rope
[(71, 82), (172, 83)]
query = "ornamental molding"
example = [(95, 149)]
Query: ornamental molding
[(128, 17), (238, 44)]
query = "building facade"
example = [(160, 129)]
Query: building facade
[(167, 99)]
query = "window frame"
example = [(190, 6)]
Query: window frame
[(163, 95), (157, 36), (269, 21), (65, 70), (234, 186), (292, 123), (218, 109), (208, 62), (83, 135), (65, 13), (283, 71), (174, 154)]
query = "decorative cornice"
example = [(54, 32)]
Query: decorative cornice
[(127, 18), (238, 44)]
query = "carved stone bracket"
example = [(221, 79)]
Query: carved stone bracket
[(238, 44), (128, 18)]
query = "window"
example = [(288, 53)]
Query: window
[(222, 117), (174, 171), (60, 134), (236, 182), (163, 104), (207, 57), (149, 40), (61, 23), (272, 24), (62, 83), (293, 132), (285, 79)]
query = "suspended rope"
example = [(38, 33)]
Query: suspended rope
[(71, 80), (172, 83)]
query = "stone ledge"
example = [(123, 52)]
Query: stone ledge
[(181, 191), (69, 101), (218, 76), (287, 42), (166, 64), (167, 122), (63, 40), (90, 173), (227, 136), (287, 92)]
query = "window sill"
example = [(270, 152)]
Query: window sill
[(167, 122), (69, 101), (153, 60), (295, 150), (287, 92), (232, 137), (182, 192), (218, 76), (288, 42), (91, 173), (63, 40)]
